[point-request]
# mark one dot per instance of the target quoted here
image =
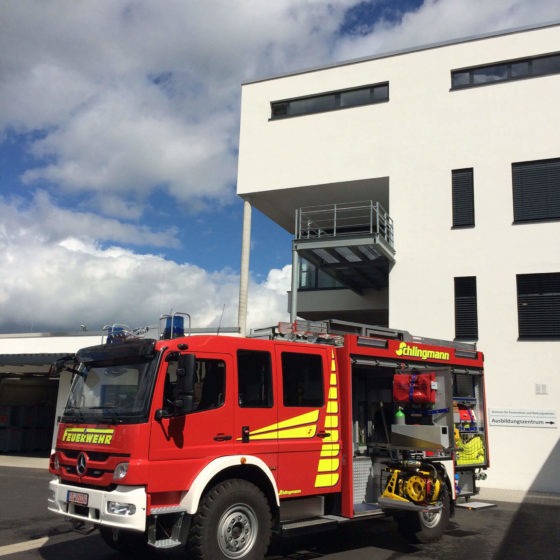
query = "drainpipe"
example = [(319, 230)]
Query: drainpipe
[(244, 274)]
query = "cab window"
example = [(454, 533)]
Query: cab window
[(209, 386), (254, 379), (302, 379)]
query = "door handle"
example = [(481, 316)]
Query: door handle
[(222, 437), (323, 434)]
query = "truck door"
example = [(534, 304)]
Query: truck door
[(308, 421), (185, 443), (256, 412)]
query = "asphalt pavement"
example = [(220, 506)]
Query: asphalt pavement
[(517, 526)]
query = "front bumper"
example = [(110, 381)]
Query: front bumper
[(96, 510)]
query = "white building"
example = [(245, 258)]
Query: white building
[(459, 144)]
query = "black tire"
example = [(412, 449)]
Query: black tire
[(233, 522), (420, 527), (123, 540)]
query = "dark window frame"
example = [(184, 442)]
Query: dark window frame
[(466, 308), (538, 306), (329, 101), (464, 78), (462, 194)]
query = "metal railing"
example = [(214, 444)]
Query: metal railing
[(344, 219)]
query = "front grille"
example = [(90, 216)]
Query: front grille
[(100, 467), (93, 455)]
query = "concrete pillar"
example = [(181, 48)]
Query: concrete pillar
[(295, 282), (244, 274)]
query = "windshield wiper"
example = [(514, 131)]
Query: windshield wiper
[(114, 417), (77, 415)]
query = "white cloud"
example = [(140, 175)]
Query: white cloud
[(117, 99), (49, 223), (52, 286), (267, 301), (441, 20), (130, 95)]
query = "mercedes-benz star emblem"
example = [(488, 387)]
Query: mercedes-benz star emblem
[(81, 464)]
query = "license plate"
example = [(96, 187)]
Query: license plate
[(80, 498)]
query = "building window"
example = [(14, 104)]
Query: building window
[(313, 278), (463, 197), (302, 379), (466, 318), (538, 306), (506, 71), (254, 379), (536, 190), (331, 101)]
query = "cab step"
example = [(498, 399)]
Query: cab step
[(166, 543)]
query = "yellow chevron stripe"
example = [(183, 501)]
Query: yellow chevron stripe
[(289, 433), (307, 418), (332, 407), (329, 462), (330, 450), (326, 480), (328, 465)]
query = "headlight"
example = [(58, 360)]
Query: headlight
[(121, 508), (55, 462), (120, 471)]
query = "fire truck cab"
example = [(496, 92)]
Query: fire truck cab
[(216, 442)]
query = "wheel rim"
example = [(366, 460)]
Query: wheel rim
[(430, 519), (237, 531)]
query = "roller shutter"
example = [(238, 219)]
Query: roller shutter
[(536, 190)]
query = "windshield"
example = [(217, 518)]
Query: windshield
[(115, 389)]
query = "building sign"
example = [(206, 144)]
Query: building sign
[(522, 418)]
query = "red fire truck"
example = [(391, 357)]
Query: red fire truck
[(217, 442)]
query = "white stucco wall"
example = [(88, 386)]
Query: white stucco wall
[(416, 139)]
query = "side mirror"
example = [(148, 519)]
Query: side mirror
[(184, 388), (62, 364)]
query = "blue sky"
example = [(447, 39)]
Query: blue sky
[(119, 123)]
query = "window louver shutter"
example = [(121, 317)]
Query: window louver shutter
[(463, 197), (538, 305), (466, 316), (536, 190)]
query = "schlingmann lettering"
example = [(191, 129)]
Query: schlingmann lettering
[(414, 351)]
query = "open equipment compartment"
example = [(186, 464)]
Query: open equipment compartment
[(408, 410), (387, 430), (470, 434)]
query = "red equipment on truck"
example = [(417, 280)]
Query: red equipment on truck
[(219, 441)]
